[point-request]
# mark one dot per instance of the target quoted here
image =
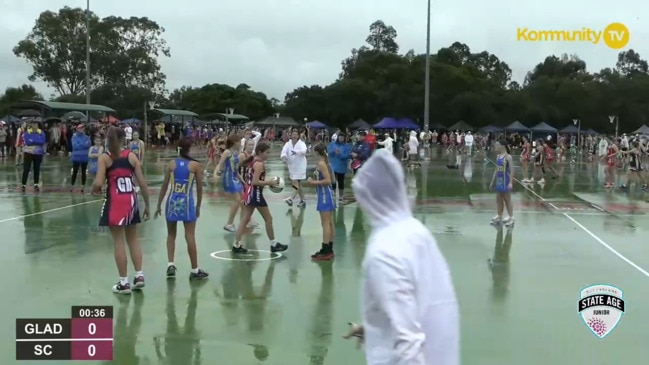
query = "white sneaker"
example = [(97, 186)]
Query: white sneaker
[(496, 219), (289, 202), (525, 181), (252, 224), (230, 228), (510, 222), (541, 182)]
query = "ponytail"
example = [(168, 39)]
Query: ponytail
[(114, 138)]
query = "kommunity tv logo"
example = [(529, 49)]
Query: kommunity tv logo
[(614, 35)]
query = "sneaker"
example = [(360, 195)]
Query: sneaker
[(278, 247), (323, 255), (198, 275), (525, 181), (171, 271), (23, 188), (252, 224), (541, 182), (505, 220), (138, 282), (497, 219), (120, 288), (289, 202), (36, 187), (230, 228), (239, 250), (510, 222), (301, 204)]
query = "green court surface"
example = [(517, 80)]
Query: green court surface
[(522, 309)]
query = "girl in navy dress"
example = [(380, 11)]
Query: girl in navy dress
[(182, 176), (503, 179), (228, 171), (120, 212), (253, 199), (326, 203)]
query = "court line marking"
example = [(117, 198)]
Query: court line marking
[(277, 255), (48, 211), (588, 231)]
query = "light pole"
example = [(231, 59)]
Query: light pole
[(427, 81), (87, 58), (577, 122), (614, 118)]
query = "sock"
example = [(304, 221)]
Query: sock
[(273, 242), (123, 281), (170, 264), (195, 271), (237, 244), (138, 274)]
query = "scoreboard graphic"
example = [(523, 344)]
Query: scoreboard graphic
[(86, 335)]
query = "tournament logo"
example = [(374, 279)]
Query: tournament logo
[(601, 307)]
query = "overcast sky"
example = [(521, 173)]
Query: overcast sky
[(278, 45)]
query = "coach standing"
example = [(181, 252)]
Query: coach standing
[(33, 153)]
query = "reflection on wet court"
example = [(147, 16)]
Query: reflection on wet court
[(518, 289)]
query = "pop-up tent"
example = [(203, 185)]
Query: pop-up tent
[(491, 129), (543, 127), (642, 130), (360, 124), (570, 129), (517, 127), (316, 125)]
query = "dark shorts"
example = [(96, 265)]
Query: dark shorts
[(255, 198)]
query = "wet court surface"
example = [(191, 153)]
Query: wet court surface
[(520, 309)]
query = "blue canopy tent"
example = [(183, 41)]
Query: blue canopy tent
[(10, 119), (360, 124), (543, 129), (407, 124), (491, 129), (644, 130), (131, 121), (316, 125), (517, 127), (391, 123), (590, 132), (571, 129)]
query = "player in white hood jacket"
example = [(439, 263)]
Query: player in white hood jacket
[(409, 308)]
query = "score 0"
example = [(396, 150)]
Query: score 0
[(92, 333)]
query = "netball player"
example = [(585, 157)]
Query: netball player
[(182, 175), (525, 159), (502, 181), (612, 153), (253, 199), (326, 203), (120, 210), (635, 166), (137, 146), (228, 170)]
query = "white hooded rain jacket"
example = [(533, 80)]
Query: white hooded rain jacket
[(409, 308)]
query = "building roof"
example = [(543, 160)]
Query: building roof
[(55, 105)]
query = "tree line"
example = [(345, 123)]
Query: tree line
[(376, 80)]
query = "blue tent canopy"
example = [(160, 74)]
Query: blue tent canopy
[(316, 125), (491, 129), (543, 127), (517, 127), (10, 119), (131, 121), (391, 123), (571, 129), (590, 132)]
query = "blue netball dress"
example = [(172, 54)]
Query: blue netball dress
[(180, 201), (93, 162), (134, 146), (326, 201), (502, 174), (254, 195), (231, 183)]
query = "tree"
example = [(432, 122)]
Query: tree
[(123, 51), (382, 37), (211, 99), (476, 87), (13, 95)]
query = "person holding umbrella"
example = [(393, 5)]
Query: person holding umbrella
[(33, 150)]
